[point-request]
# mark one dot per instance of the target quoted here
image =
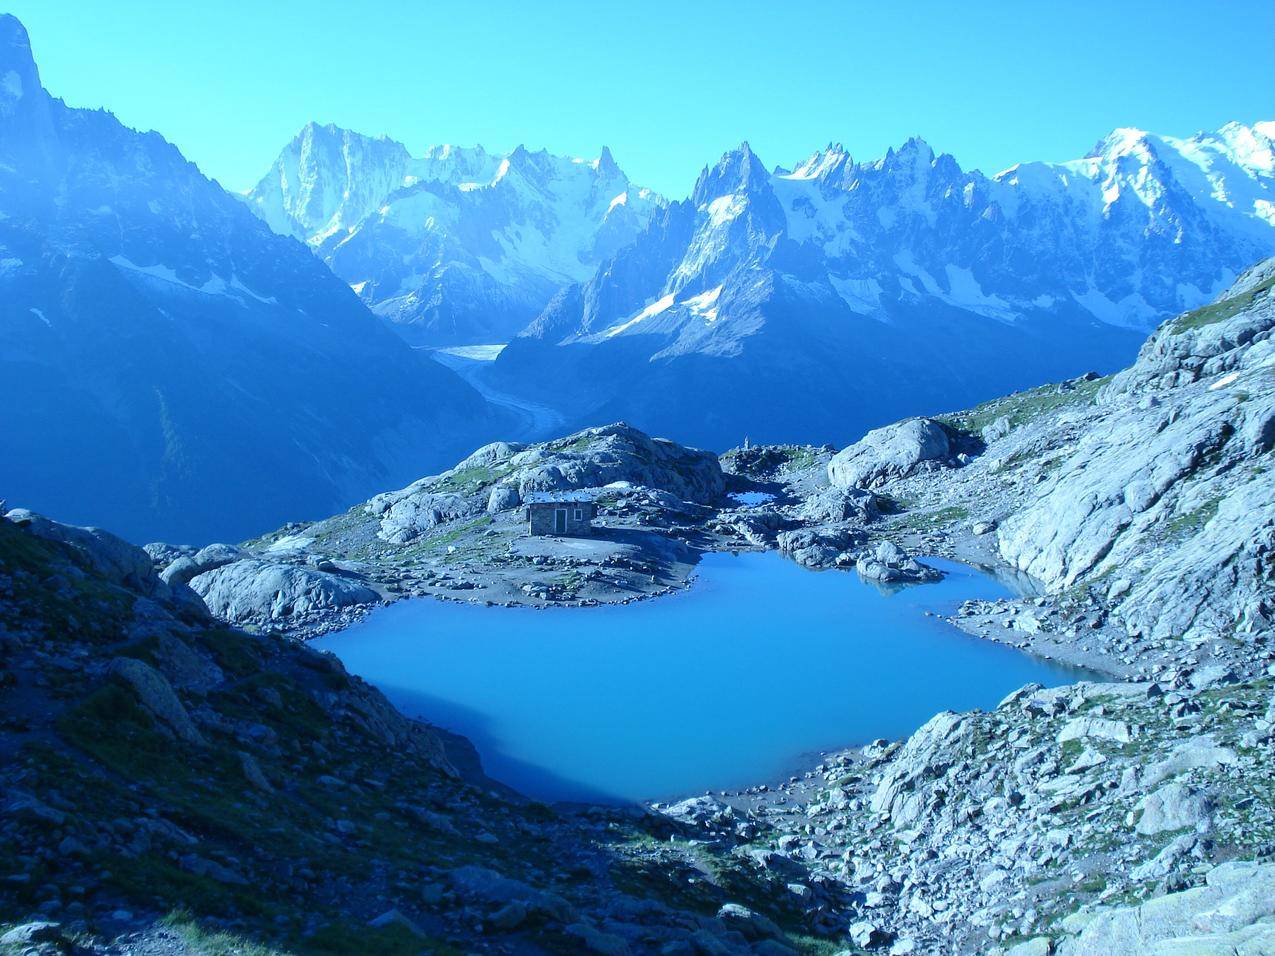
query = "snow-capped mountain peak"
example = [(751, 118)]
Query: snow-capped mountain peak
[(837, 288), (738, 171), (825, 163), (457, 244), (605, 164)]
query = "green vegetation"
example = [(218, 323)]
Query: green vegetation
[(801, 457), (1195, 519), (1221, 311), (59, 603), (471, 480), (931, 520), (1022, 408), (449, 534)]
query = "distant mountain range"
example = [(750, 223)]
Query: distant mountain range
[(458, 246), (826, 299), (780, 303), (170, 366), (179, 367)]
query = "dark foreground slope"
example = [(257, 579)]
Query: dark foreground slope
[(171, 368), (152, 760)]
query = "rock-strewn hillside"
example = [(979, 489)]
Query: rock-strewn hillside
[(1099, 818), (154, 761), (1035, 820)]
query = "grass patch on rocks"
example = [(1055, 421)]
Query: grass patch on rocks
[(1022, 408), (1221, 311)]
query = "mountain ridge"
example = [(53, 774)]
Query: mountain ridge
[(181, 370), (457, 245), (872, 283)]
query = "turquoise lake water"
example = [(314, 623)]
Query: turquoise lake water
[(737, 681)]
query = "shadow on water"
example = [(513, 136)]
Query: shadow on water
[(496, 763)]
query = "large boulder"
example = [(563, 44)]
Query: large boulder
[(157, 696), (408, 517), (1175, 806), (185, 567), (894, 451), (887, 563), (840, 504), (253, 591), (901, 794)]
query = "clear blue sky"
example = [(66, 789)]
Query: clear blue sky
[(669, 84)]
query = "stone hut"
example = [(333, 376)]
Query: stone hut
[(568, 513)]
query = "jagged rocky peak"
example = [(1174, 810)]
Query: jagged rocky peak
[(892, 269), (738, 171), (828, 163), (20, 76), (606, 165), (25, 124), (327, 177), (457, 245), (134, 289)]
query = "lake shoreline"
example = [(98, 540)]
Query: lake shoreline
[(660, 676)]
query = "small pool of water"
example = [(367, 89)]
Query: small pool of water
[(750, 499), (734, 682)]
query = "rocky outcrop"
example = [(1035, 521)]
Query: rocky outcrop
[(417, 511), (184, 567), (156, 695), (112, 557), (840, 504), (1232, 912), (619, 452), (894, 451), (887, 563), (262, 593), (1166, 490), (819, 547), (497, 477)]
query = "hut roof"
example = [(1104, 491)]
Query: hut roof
[(558, 497)]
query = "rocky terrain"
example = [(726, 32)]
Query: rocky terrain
[(462, 535), (171, 785), (1132, 815)]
